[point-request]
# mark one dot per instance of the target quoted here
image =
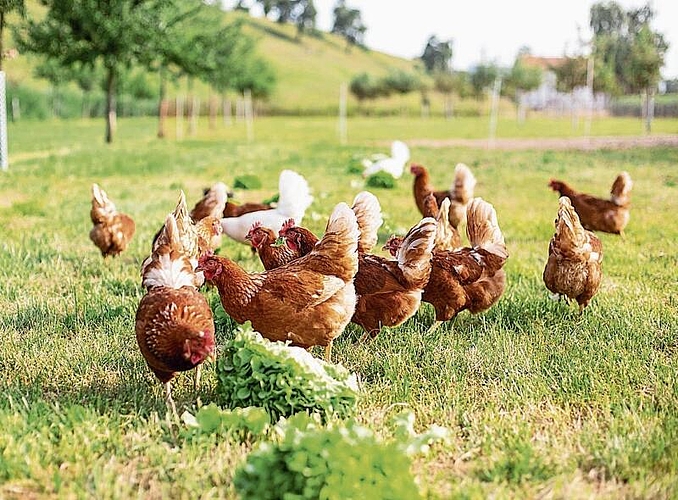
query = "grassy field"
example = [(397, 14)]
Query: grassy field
[(541, 402)]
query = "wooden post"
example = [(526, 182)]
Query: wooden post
[(193, 118), (227, 110), (342, 125), (180, 118)]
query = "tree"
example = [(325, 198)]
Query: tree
[(437, 55), (482, 77), (364, 86), (571, 74), (625, 46), (348, 23), (116, 34), (615, 33), (7, 6), (446, 83), (642, 68)]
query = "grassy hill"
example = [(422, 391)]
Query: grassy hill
[(309, 70)]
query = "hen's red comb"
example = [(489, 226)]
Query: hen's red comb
[(288, 224)]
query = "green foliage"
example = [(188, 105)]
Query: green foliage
[(240, 423), (247, 181), (365, 86), (401, 82), (282, 379), (382, 180), (521, 79), (345, 461), (482, 77), (629, 53)]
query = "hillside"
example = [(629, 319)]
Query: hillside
[(309, 70)]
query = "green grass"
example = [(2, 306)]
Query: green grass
[(540, 401)]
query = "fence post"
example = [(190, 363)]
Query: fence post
[(494, 111), (343, 128), (4, 159)]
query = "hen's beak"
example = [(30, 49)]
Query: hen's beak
[(279, 242)]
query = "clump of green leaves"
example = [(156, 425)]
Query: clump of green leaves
[(240, 423), (342, 461), (247, 181), (282, 379), (381, 180)]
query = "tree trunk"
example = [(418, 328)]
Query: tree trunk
[(162, 105), (110, 105)]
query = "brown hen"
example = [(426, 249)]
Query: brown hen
[(308, 301), (174, 325), (471, 277), (597, 214), (574, 265), (389, 291), (459, 193), (112, 230)]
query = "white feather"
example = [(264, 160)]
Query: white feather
[(394, 164), (295, 198)]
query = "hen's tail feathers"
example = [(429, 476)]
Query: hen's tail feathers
[(621, 189), (447, 237), (186, 228), (431, 206), (414, 254), (168, 265), (368, 214), (101, 205), (483, 229), (464, 184), (212, 203), (295, 195), (340, 242), (570, 234), (400, 151)]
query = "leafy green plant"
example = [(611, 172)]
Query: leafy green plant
[(240, 423), (281, 379), (343, 461), (381, 180), (247, 181)]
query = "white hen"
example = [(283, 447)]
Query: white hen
[(394, 164), (294, 199)]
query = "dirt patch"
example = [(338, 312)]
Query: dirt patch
[(578, 143)]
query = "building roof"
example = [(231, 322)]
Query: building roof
[(544, 63)]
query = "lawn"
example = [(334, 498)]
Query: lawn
[(539, 400)]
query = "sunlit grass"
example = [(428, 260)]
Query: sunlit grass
[(540, 400)]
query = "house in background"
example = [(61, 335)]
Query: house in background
[(547, 97)]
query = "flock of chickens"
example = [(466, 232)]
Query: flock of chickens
[(314, 285)]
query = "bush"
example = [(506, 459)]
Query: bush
[(339, 462), (381, 180), (281, 379)]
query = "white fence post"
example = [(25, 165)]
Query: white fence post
[(343, 129), (494, 111), (4, 159)]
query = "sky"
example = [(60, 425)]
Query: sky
[(491, 30)]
